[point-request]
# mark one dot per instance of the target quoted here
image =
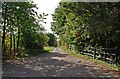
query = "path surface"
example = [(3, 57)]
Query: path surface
[(55, 64)]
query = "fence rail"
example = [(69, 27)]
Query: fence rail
[(110, 55)]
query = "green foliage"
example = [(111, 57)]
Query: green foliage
[(22, 29), (44, 38), (52, 39), (35, 52), (82, 24)]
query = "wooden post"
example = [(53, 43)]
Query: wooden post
[(94, 56), (82, 50), (104, 54), (116, 56)]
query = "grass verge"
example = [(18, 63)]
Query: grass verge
[(88, 58), (36, 52), (48, 48)]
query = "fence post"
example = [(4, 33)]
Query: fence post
[(116, 56), (104, 54), (94, 56), (82, 50)]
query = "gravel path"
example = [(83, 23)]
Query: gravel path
[(55, 64)]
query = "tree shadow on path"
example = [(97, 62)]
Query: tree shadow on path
[(51, 65)]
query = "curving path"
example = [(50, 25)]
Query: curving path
[(55, 64)]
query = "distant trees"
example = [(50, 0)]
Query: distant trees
[(52, 39), (21, 28), (82, 24)]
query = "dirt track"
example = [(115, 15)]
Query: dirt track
[(55, 64)]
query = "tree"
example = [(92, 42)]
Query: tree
[(20, 25), (83, 24), (52, 39)]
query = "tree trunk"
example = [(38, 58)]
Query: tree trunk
[(4, 27), (14, 45), (10, 46), (18, 39)]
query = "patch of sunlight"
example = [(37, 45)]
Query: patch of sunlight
[(27, 66), (68, 65), (54, 75), (37, 68), (49, 48), (63, 67), (58, 58), (24, 72)]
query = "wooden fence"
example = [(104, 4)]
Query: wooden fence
[(110, 55)]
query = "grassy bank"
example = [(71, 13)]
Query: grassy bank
[(31, 53), (88, 58), (48, 48), (36, 52)]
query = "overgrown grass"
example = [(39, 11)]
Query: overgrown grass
[(88, 58), (48, 48), (36, 52)]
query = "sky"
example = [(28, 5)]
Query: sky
[(48, 7)]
